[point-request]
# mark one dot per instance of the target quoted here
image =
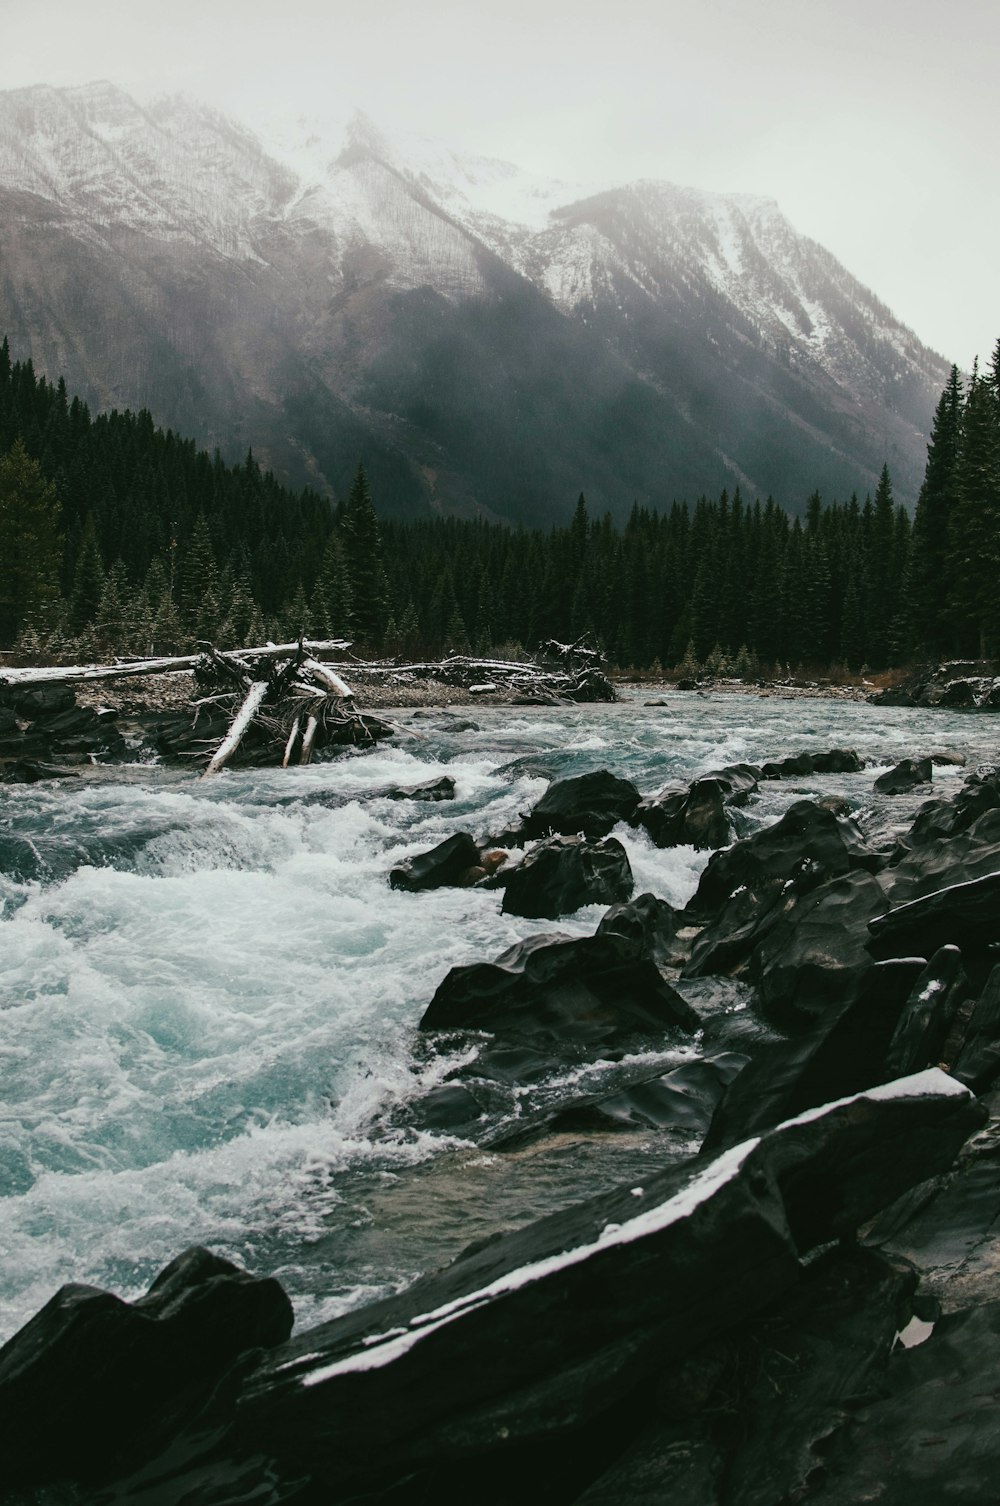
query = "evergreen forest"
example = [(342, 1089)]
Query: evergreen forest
[(117, 537)]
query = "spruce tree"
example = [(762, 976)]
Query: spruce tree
[(928, 587), (974, 541), (88, 580), (30, 549), (365, 565)]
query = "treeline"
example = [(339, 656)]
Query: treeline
[(116, 536)]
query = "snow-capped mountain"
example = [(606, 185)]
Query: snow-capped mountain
[(489, 341)]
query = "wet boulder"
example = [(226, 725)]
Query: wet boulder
[(684, 1098), (649, 924), (91, 1380), (964, 915), (35, 702), (431, 789), (557, 1333), (745, 890), (946, 818), (592, 991), (799, 765), (694, 816), (922, 1030), (937, 862), (906, 775), (817, 949), (843, 1053), (978, 1060), (587, 804), (562, 874), (440, 867), (807, 833), (959, 694)]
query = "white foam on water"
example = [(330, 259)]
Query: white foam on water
[(208, 1002)]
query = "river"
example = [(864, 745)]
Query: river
[(209, 994)]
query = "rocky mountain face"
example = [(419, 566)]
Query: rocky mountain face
[(489, 343)]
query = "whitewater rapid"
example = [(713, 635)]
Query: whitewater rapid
[(209, 994)]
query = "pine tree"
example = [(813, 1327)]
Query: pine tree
[(199, 593), (928, 586), (974, 539), (332, 593), (88, 580), (365, 565), (30, 549)]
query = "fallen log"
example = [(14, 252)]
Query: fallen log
[(245, 715), (122, 669)]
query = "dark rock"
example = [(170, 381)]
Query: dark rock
[(838, 761), (906, 775), (431, 789), (929, 1435), (695, 816), (91, 1380), (806, 833), (41, 701), (541, 1333), (746, 889), (442, 866), (759, 1408), (590, 991), (844, 1053), (794, 767), (450, 1108), (737, 780), (959, 693), (937, 862), (649, 924), (963, 915), (896, 695), (943, 818), (31, 770), (564, 873), (684, 1098), (590, 804), (978, 1063), (816, 949), (71, 723), (920, 1036)]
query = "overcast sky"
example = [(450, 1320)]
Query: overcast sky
[(872, 122)]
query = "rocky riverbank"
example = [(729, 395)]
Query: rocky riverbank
[(803, 1311)]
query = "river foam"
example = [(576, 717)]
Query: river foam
[(209, 994)]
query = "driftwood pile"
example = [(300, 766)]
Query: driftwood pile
[(281, 703), (269, 708), (561, 672)]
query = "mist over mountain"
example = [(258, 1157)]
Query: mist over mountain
[(490, 343)]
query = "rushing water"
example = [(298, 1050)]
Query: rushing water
[(209, 994)]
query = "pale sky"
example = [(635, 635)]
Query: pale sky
[(873, 123)]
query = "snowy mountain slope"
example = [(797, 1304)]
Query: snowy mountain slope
[(490, 341)]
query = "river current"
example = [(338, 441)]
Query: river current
[(209, 994)]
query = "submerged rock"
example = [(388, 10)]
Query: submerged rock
[(906, 775), (587, 804), (694, 816), (564, 873), (590, 991), (431, 789), (442, 866)]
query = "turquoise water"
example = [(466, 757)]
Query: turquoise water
[(209, 994)]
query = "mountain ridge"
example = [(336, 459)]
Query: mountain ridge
[(641, 343)]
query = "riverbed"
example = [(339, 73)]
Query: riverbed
[(209, 995)]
